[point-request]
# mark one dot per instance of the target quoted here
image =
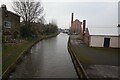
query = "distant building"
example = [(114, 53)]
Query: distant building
[(96, 36), (10, 22), (103, 37), (76, 27)]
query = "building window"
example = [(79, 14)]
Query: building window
[(7, 24)]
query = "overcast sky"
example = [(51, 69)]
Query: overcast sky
[(96, 12), (119, 12)]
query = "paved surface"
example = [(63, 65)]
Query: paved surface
[(97, 62)]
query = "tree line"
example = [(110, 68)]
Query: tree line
[(32, 18)]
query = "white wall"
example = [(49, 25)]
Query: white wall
[(114, 42), (98, 41)]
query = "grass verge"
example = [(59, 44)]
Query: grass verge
[(12, 52)]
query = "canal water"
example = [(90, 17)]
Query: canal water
[(48, 59)]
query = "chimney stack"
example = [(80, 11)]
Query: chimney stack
[(3, 7), (84, 24), (72, 18), (71, 22)]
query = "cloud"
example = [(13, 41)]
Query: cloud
[(80, 0), (96, 13)]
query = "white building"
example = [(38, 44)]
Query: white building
[(103, 37)]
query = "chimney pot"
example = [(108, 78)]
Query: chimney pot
[(3, 6)]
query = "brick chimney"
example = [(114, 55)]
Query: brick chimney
[(71, 22), (72, 18), (84, 25)]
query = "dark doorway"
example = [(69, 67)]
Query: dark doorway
[(106, 42)]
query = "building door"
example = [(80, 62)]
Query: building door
[(106, 42)]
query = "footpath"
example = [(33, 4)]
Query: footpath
[(99, 63)]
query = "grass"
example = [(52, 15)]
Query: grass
[(12, 51), (100, 56), (0, 53)]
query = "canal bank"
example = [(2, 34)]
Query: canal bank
[(18, 59), (78, 66)]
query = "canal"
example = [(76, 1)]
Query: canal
[(47, 59)]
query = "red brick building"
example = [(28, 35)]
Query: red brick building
[(78, 27), (10, 22)]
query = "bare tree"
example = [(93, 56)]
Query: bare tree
[(30, 11)]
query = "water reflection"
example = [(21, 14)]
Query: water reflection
[(48, 59)]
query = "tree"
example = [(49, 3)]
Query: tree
[(30, 12), (50, 28)]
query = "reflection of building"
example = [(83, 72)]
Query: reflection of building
[(102, 37), (10, 22)]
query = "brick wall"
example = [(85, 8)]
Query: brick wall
[(87, 37), (13, 19), (76, 26)]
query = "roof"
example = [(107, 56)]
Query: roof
[(108, 31), (8, 10), (13, 13), (77, 20)]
